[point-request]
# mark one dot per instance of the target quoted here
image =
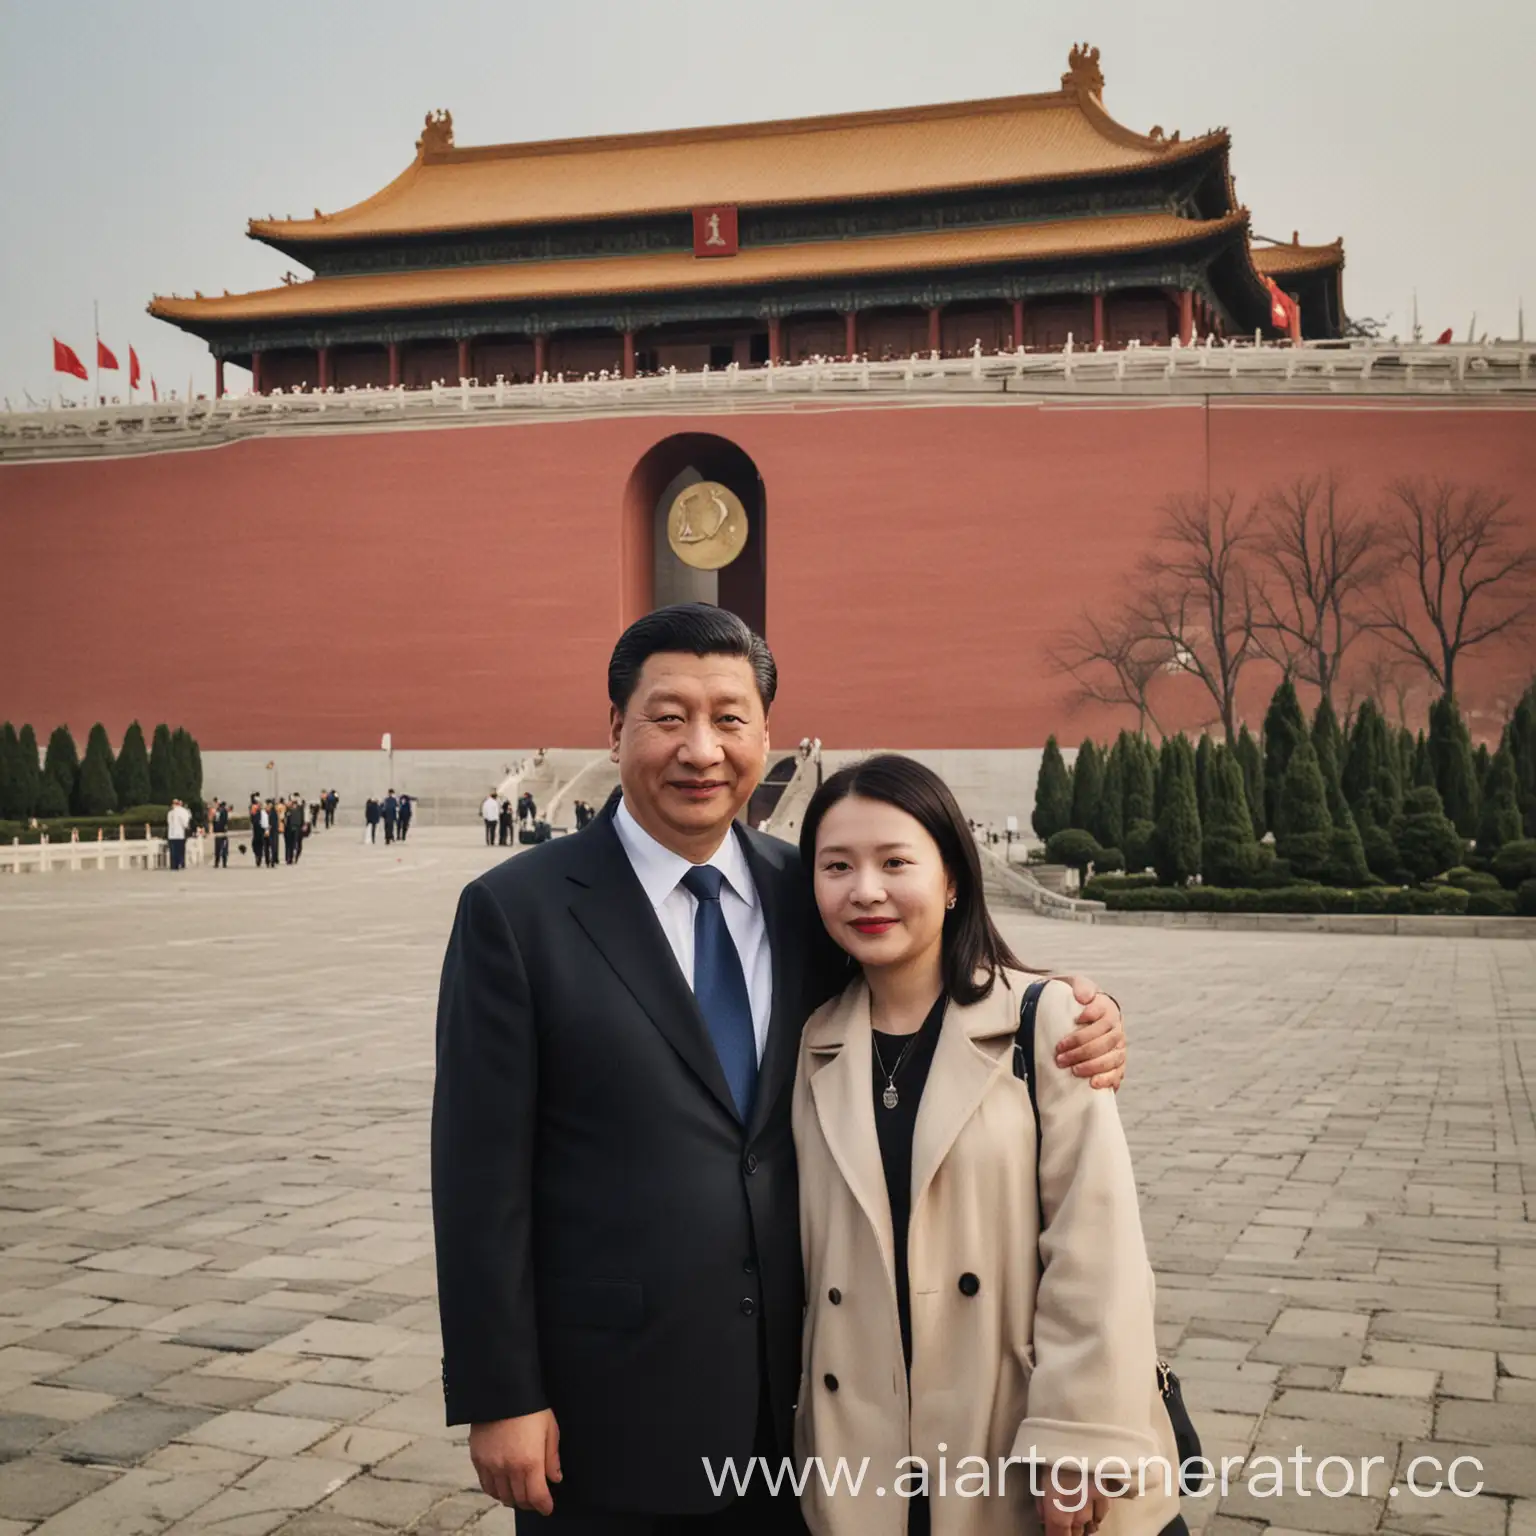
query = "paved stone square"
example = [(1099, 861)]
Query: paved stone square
[(216, 1281)]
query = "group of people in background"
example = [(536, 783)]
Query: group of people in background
[(501, 817), (281, 821), (393, 812)]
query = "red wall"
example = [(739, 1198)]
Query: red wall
[(461, 587)]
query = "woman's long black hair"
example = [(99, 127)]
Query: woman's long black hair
[(974, 951)]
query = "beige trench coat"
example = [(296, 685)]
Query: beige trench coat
[(1010, 1357)]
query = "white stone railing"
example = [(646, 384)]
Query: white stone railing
[(123, 852), (1207, 368)]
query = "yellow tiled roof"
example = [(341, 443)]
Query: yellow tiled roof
[(1272, 260), (671, 271), (1007, 140)]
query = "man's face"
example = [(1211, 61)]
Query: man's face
[(692, 745)]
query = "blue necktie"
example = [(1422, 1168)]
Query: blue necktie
[(720, 986)]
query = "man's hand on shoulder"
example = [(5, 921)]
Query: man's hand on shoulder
[(517, 1459), (1096, 1048)]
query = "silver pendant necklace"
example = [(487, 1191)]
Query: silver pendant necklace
[(890, 1098)]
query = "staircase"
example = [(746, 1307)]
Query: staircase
[(548, 780)]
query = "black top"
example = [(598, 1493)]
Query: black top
[(895, 1127)]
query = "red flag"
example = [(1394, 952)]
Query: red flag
[(1444, 338), (133, 369), (1279, 306), (66, 361), (154, 389), (104, 357)]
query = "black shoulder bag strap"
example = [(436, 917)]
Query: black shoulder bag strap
[(1184, 1435)]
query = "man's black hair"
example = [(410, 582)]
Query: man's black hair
[(693, 629)]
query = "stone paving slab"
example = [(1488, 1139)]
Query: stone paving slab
[(216, 1287)]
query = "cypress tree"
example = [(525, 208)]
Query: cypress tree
[(1109, 828), (1407, 757), (1361, 763), (1522, 745), (1346, 859), (160, 790), (98, 795), (1499, 821), (1325, 726), (184, 771), (1139, 802), (130, 774), (11, 807), (1304, 832), (1053, 793), (1423, 767), (1203, 776), (1450, 756), (61, 763), (1229, 851), (1427, 842), (1482, 763), (27, 770), (1087, 779), (1251, 762), (51, 799), (1176, 845), (1284, 727)]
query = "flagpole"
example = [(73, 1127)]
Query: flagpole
[(96, 326)]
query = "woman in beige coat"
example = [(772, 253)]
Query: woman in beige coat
[(944, 1329)]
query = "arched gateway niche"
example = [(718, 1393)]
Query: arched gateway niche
[(654, 576)]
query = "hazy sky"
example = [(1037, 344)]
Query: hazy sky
[(139, 137)]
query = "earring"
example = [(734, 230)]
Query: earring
[(949, 906)]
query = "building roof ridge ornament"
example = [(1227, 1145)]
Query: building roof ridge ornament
[(437, 134), (1083, 72)]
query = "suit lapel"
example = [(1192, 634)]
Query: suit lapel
[(777, 1069), (613, 909)]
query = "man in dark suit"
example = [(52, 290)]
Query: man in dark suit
[(613, 1173)]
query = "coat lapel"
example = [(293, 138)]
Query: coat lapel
[(845, 1108), (961, 1074), (786, 946), (612, 907)]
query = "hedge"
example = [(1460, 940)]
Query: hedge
[(1446, 900)]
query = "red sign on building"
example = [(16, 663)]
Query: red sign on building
[(714, 232)]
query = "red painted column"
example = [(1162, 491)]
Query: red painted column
[(324, 360), (540, 355), (1186, 316), (850, 333), (935, 336), (1295, 314), (394, 365), (629, 354), (464, 362), (218, 378), (775, 339), (256, 372), (1098, 319), (1018, 322)]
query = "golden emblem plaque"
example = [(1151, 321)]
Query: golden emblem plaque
[(707, 525)]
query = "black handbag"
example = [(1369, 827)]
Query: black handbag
[(1184, 1435)]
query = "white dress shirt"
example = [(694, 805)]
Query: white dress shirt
[(490, 809), (660, 872)]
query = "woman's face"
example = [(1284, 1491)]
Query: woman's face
[(881, 885)]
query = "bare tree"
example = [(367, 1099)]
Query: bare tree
[(1466, 575), (1322, 558), (1199, 597), (1113, 662)]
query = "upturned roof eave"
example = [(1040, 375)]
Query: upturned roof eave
[(293, 238)]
